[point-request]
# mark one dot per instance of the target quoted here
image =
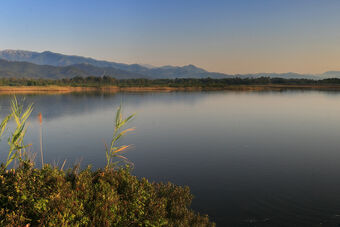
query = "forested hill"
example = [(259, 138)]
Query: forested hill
[(29, 70)]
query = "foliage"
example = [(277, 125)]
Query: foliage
[(114, 150), (93, 81), (51, 197), (19, 114), (106, 197)]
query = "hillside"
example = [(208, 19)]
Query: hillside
[(51, 65), (119, 69), (30, 70)]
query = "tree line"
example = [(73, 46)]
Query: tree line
[(180, 82)]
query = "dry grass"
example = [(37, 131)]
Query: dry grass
[(112, 89)]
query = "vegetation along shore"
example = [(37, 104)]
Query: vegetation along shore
[(109, 84), (111, 196)]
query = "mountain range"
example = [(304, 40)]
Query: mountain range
[(29, 64)]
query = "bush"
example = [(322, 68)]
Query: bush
[(105, 197)]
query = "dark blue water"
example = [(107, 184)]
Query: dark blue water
[(250, 158)]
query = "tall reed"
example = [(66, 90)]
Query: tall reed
[(20, 114), (115, 151)]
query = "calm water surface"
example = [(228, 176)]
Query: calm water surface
[(250, 158)]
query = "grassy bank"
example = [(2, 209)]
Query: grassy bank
[(112, 89), (70, 89)]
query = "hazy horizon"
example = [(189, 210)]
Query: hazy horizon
[(232, 37)]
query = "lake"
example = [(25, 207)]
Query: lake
[(250, 158)]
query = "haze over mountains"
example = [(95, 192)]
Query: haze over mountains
[(19, 63)]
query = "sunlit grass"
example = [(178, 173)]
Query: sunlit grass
[(115, 151), (19, 114)]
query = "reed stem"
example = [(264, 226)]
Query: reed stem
[(41, 151)]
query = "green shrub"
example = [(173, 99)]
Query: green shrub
[(105, 197)]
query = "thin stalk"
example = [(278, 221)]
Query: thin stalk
[(41, 151)]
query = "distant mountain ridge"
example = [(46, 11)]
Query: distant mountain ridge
[(47, 64), (30, 70), (61, 60)]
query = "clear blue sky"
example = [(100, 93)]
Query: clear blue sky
[(238, 36)]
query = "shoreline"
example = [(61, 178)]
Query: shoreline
[(113, 89)]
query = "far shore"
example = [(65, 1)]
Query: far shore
[(113, 89)]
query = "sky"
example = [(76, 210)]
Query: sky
[(228, 36)]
